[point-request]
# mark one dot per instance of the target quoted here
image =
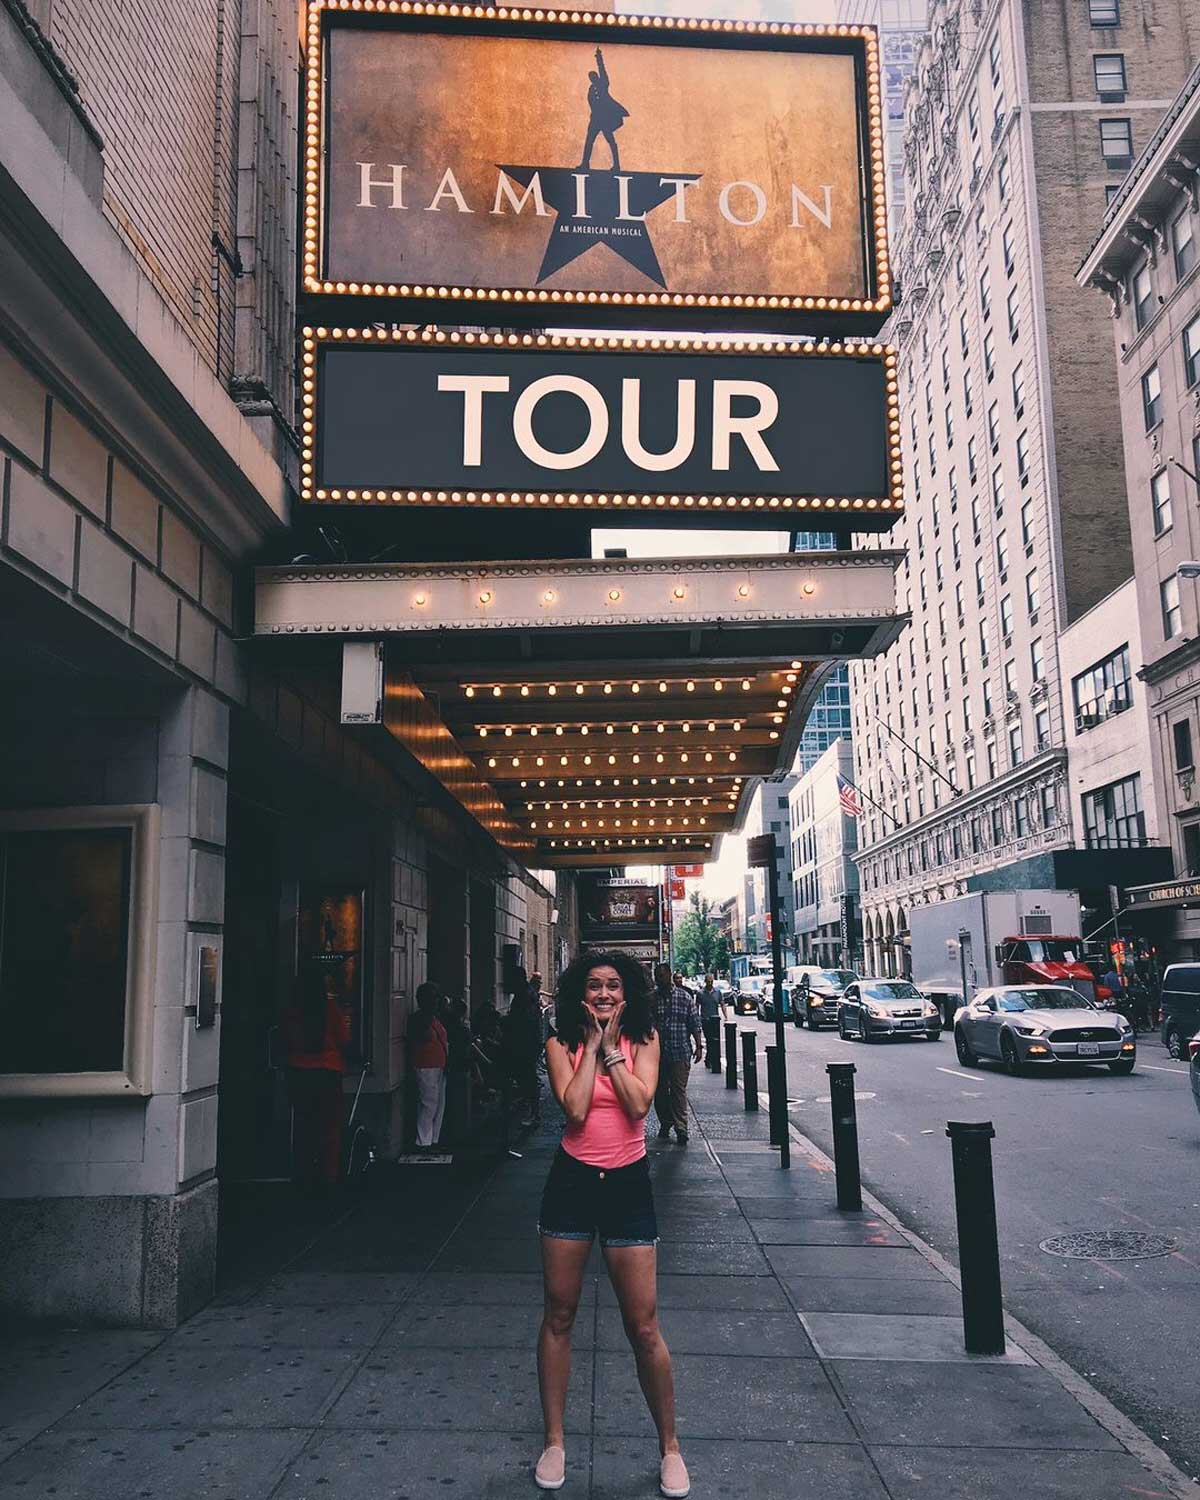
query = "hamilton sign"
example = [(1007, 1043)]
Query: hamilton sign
[(602, 162), (439, 419)]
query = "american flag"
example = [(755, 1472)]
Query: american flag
[(848, 797)]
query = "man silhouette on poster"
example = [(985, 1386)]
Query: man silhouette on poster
[(608, 115)]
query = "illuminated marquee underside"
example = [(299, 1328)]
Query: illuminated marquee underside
[(600, 712)]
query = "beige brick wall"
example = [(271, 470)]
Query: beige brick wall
[(75, 515)]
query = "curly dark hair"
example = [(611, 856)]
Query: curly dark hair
[(637, 1019)]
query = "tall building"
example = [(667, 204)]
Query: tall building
[(829, 718), (902, 30), (1145, 259), (1020, 121), (768, 813), (824, 875)]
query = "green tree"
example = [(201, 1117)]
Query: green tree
[(700, 947)]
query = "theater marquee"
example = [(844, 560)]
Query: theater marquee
[(471, 155), (643, 425)]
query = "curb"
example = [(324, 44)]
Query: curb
[(1131, 1437)]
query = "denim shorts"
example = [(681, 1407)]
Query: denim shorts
[(616, 1203)]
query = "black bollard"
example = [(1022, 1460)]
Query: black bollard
[(731, 1054), (978, 1241), (845, 1135), (776, 1097), (750, 1070), (712, 1044)]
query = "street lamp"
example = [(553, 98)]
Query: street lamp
[(1189, 569)]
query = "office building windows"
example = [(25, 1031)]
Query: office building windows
[(1160, 501), (1113, 816)]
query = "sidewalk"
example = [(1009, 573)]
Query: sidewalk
[(817, 1354)]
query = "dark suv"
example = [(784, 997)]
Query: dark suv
[(1180, 1007)]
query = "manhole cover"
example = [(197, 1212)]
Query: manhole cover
[(1109, 1244)]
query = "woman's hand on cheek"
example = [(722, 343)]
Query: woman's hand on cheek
[(593, 1033)]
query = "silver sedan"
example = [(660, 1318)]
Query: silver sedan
[(1028, 1027)]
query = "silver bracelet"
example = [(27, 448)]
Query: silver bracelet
[(611, 1059)]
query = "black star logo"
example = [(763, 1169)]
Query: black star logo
[(602, 222)]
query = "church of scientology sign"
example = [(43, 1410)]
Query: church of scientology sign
[(497, 163)]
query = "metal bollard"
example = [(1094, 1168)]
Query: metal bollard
[(845, 1135), (750, 1070), (776, 1097), (731, 1054), (978, 1241)]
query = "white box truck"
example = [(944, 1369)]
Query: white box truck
[(999, 937)]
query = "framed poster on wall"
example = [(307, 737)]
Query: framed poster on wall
[(78, 904), (330, 932)]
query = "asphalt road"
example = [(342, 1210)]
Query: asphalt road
[(1073, 1152)]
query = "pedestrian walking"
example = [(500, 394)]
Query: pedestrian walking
[(603, 1064), (712, 1012), (317, 1029), (428, 1054), (679, 1032)]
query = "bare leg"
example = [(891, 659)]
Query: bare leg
[(562, 1272), (632, 1270)]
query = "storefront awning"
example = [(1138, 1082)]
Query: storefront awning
[(598, 712)]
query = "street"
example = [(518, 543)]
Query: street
[(1075, 1152)]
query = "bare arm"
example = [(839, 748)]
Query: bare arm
[(635, 1087), (572, 1089)]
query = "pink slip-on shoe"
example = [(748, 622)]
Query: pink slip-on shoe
[(551, 1471), (673, 1478)]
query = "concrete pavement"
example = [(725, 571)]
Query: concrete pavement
[(390, 1354)]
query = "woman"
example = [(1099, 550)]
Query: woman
[(603, 1070), (428, 1054), (317, 1029)]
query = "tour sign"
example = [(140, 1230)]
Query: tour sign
[(642, 425), (509, 161)]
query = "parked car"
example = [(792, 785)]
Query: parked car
[(1193, 1049), (1180, 1007), (1041, 1026), (949, 1002), (874, 1008), (816, 993)]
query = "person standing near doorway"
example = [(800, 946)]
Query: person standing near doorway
[(679, 1032), (603, 1066), (316, 1029), (428, 1054)]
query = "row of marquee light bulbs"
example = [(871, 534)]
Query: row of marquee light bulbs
[(689, 685), (679, 593)]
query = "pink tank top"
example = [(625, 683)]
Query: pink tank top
[(608, 1137)]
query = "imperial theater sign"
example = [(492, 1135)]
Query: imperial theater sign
[(442, 418), (509, 159)]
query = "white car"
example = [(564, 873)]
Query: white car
[(1037, 1026)]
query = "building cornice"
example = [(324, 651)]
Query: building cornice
[(1114, 250), (1029, 771)]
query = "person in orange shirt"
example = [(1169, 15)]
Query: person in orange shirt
[(428, 1054), (317, 1029)]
